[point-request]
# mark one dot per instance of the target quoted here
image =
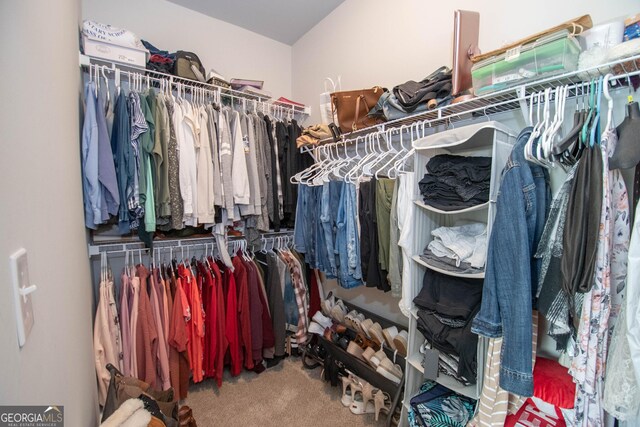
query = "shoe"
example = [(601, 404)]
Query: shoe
[(363, 400), (365, 325), (389, 334), (349, 386), (377, 358), (323, 320), (328, 304), (381, 402), (400, 341), (391, 367), (375, 331), (388, 375), (355, 350), (349, 320), (338, 312), (364, 342), (367, 354), (357, 322), (316, 328)]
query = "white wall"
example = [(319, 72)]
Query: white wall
[(231, 50), (378, 42), (41, 210)]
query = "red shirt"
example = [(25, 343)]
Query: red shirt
[(196, 326), (244, 313), (231, 323), (221, 339)]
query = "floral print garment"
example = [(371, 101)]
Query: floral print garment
[(602, 304)]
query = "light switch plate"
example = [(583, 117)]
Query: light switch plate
[(22, 289)]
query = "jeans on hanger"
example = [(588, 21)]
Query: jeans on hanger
[(353, 242), (346, 235), (290, 304), (512, 273), (323, 262), (330, 199), (303, 235)]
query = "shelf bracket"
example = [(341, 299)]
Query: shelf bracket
[(522, 99)]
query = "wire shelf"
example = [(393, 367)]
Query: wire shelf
[(506, 100), (159, 77)]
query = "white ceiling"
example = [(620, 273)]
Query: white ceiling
[(282, 20)]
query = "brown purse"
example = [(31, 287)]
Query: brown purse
[(122, 388), (351, 108)]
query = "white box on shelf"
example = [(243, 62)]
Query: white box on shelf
[(112, 52)]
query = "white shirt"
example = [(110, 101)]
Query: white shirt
[(206, 209), (187, 130)]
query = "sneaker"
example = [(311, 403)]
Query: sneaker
[(322, 319)]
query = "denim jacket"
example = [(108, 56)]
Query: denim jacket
[(511, 270)]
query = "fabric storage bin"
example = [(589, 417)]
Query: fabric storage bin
[(113, 52), (552, 54)]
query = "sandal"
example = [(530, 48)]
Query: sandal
[(355, 350), (349, 386), (350, 320), (338, 311), (327, 304), (357, 322), (400, 341), (375, 331), (365, 325), (363, 400), (389, 334), (382, 402)]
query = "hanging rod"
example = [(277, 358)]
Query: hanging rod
[(175, 81), (98, 248), (110, 247), (503, 100)]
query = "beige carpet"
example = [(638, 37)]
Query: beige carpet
[(283, 396)]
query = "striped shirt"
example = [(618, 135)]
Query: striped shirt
[(302, 298), (495, 403)]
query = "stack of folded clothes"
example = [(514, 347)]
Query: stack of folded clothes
[(447, 364), (446, 307), (461, 249), (456, 182)]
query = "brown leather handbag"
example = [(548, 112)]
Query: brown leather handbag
[(122, 388), (351, 108)]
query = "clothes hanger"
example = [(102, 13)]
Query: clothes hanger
[(609, 99), (540, 126), (578, 120), (594, 135), (377, 154), (548, 132), (396, 153), (395, 169), (356, 173), (528, 151), (591, 110)]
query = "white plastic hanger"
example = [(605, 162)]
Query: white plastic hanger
[(607, 95)]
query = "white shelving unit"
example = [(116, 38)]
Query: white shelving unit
[(483, 139)]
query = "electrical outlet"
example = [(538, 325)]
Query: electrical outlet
[(22, 294)]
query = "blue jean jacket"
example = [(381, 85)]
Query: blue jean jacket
[(511, 270)]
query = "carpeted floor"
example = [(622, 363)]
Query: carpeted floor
[(283, 396)]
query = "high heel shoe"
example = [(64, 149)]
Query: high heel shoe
[(349, 386), (363, 400), (381, 402)]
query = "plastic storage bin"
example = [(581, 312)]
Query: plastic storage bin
[(553, 54)]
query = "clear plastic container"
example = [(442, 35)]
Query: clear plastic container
[(553, 54)]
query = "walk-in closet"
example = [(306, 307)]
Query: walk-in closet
[(320, 213)]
